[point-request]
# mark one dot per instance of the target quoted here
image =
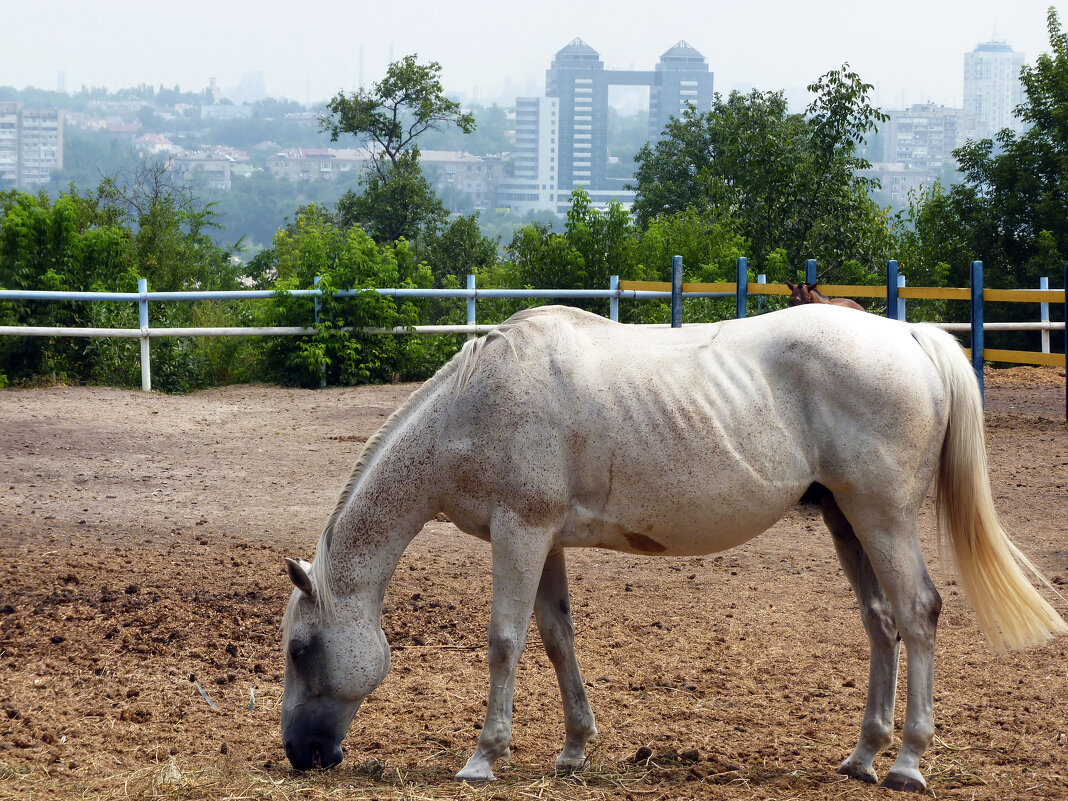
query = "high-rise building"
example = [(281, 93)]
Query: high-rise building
[(992, 88), (31, 144), (681, 78), (9, 144), (537, 125), (562, 139)]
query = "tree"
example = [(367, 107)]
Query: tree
[(314, 246), (393, 114), (399, 204), (596, 245), (784, 181), (397, 200), (458, 250), (130, 227)]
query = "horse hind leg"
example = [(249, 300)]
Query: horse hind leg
[(891, 542), (876, 731), (552, 610)]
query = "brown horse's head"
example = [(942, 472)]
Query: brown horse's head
[(800, 294)]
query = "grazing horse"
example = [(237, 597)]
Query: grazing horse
[(800, 294), (562, 429)]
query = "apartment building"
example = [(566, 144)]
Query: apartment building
[(213, 164), (992, 89), (924, 136), (473, 176), (31, 144), (317, 163)]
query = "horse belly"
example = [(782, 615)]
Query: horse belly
[(700, 499)]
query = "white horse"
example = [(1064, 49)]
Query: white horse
[(562, 429)]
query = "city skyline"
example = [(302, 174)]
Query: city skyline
[(912, 52)]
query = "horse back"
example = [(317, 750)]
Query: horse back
[(658, 436)]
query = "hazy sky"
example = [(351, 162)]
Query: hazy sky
[(912, 51)]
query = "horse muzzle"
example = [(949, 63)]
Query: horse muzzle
[(314, 741), (313, 752)]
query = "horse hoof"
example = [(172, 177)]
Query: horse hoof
[(855, 770), (570, 764), (475, 776), (904, 784)]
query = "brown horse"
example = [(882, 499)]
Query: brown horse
[(801, 294)]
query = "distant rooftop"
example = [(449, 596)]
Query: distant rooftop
[(993, 47), (577, 47), (682, 49)]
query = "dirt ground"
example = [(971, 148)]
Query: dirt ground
[(141, 547)]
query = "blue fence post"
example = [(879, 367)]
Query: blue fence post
[(741, 296), (613, 302), (676, 291), (471, 305), (142, 313), (810, 271), (891, 290), (318, 301), (1043, 314), (977, 325)]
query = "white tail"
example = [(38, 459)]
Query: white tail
[(1011, 612)]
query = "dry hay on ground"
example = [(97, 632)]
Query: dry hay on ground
[(142, 539)]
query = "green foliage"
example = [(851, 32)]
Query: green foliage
[(596, 245), (457, 250), (397, 202), (783, 181), (73, 244), (130, 227), (1011, 210), (1012, 201), (314, 245), (489, 135)]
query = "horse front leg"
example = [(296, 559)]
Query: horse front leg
[(519, 554), (552, 609)]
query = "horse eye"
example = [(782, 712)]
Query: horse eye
[(297, 652)]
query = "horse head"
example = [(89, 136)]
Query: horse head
[(336, 655), (802, 293)]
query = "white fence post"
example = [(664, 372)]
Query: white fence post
[(142, 308), (613, 302)]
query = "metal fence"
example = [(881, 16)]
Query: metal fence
[(895, 292)]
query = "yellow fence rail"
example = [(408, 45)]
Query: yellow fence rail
[(906, 293)]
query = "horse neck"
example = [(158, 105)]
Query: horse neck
[(388, 499)]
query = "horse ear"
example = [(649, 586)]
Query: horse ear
[(790, 286), (813, 286), (300, 576)]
